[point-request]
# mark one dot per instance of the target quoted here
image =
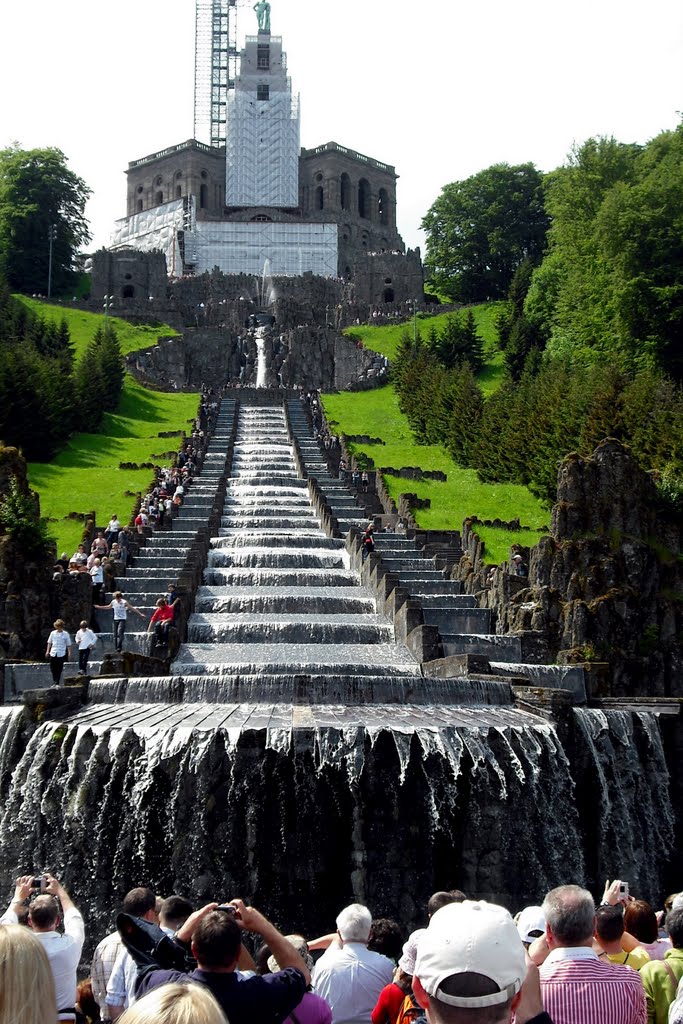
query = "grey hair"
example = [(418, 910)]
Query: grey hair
[(570, 914), (354, 923)]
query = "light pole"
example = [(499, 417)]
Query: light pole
[(51, 236), (108, 303)]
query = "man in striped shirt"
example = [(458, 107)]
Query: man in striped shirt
[(577, 987)]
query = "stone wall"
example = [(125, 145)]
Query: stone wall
[(605, 585)]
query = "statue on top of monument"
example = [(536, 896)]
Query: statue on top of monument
[(262, 9)]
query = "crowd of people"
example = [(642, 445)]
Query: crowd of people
[(106, 556), (562, 962)]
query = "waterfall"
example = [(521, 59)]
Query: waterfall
[(627, 803)]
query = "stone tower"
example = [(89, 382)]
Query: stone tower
[(262, 151)]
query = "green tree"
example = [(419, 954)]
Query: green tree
[(479, 231), (459, 341), (37, 192)]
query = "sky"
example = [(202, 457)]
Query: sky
[(440, 89)]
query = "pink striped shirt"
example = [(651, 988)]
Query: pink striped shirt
[(578, 988)]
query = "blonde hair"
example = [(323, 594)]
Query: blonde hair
[(57, 623), (174, 1004), (27, 989)]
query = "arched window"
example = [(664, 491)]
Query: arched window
[(160, 198), (128, 292), (388, 294), (345, 192), (203, 197), (319, 198), (178, 191), (383, 206), (364, 198), (139, 205)]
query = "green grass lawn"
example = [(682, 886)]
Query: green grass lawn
[(83, 325), (376, 413), (86, 477)]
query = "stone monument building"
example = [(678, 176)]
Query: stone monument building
[(260, 201)]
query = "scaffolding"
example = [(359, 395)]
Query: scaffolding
[(215, 67)]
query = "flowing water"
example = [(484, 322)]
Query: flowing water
[(297, 757)]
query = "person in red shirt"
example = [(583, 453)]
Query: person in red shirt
[(160, 623)]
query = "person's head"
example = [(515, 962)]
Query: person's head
[(58, 623), (86, 1001), (674, 927), (531, 924), (43, 914), (609, 924), (174, 912), (175, 1004), (161, 603), (386, 936), (83, 624), (216, 941), (27, 988), (81, 547), (354, 923), (140, 902), (301, 946), (118, 595), (442, 899), (570, 916), (470, 965), (640, 921)]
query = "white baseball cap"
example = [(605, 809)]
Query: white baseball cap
[(531, 919), (471, 937)]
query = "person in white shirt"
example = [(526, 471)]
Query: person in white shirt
[(349, 976), (63, 951), (142, 903), (120, 608), (85, 641), (58, 649)]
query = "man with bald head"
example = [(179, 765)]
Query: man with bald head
[(63, 950)]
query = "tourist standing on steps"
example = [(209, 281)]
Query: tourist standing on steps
[(58, 649), (120, 608), (86, 640)]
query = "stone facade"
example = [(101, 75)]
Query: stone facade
[(191, 168), (130, 276)]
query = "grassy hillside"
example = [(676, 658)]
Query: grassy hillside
[(385, 339), (82, 326), (376, 413), (86, 475)]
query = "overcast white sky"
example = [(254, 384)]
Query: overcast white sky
[(439, 89)]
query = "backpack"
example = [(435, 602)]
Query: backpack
[(411, 1012)]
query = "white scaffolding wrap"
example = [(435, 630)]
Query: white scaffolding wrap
[(262, 150), (242, 248), (164, 227)]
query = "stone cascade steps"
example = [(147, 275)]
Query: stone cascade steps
[(281, 598)]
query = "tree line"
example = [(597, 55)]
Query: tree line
[(600, 244), (45, 394), (521, 432)]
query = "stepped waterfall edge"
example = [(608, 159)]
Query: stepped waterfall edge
[(297, 756)]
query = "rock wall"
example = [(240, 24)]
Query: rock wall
[(606, 585)]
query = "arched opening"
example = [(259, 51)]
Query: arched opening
[(364, 198), (178, 191), (159, 198), (128, 292), (383, 206), (388, 294), (347, 271), (261, 218), (139, 205), (319, 198), (345, 192), (203, 197)]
